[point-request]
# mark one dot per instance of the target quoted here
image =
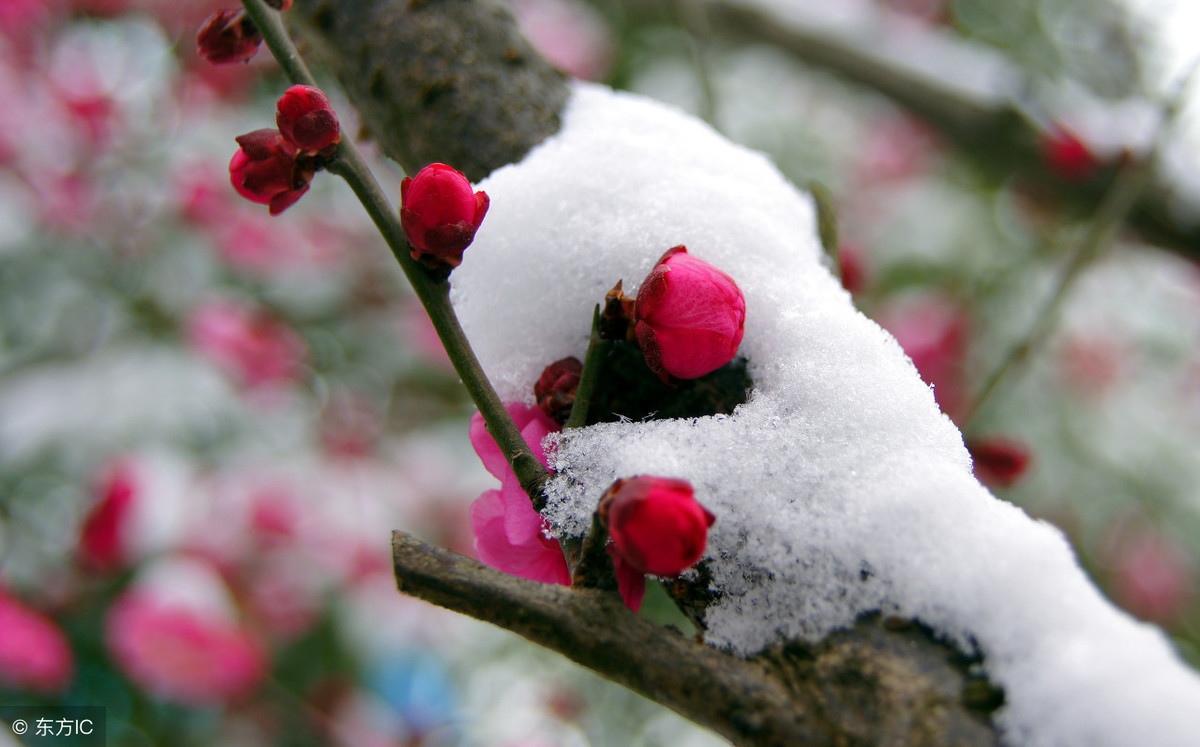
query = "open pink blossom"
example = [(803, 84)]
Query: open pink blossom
[(690, 317), (34, 653), (509, 534), (180, 654), (1154, 577), (934, 332)]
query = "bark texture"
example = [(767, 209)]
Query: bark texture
[(449, 81), (882, 683)]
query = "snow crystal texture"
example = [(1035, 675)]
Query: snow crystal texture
[(839, 487)]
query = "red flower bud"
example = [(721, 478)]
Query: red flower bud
[(307, 120), (555, 389), (690, 317), (228, 36), (265, 170), (440, 214), (656, 524), (1067, 156), (999, 462)]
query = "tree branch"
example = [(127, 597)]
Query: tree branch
[(873, 685), (991, 130), (438, 80)]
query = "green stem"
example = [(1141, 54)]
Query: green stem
[(433, 293), (594, 567)]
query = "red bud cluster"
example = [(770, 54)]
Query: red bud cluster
[(228, 36), (275, 167)]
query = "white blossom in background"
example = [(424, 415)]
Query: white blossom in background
[(839, 487)]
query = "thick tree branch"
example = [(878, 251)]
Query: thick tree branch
[(989, 129), (873, 685), (438, 80)]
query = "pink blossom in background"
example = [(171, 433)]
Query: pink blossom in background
[(250, 344), (1091, 366), (571, 35), (418, 333), (201, 194), (21, 19), (104, 540), (1154, 577), (934, 331), (281, 596), (34, 653), (67, 202), (351, 425), (897, 148), (180, 654)]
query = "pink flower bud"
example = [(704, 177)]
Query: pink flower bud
[(307, 120), (555, 390), (690, 317), (228, 36), (656, 524), (440, 214), (265, 170)]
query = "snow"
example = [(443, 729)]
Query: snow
[(839, 487)]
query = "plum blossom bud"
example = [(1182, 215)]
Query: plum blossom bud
[(655, 523), (307, 120), (555, 389), (1066, 156), (440, 213), (690, 317), (266, 170), (999, 462), (228, 36)]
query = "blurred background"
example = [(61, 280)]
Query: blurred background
[(210, 419)]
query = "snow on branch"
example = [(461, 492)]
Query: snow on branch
[(839, 487)]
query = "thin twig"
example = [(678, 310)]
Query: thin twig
[(695, 22), (593, 361), (433, 293)]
